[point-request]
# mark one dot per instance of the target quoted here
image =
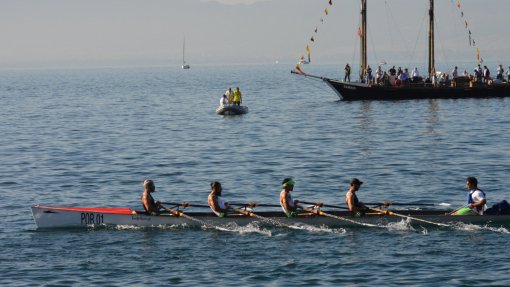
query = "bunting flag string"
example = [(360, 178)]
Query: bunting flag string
[(472, 42), (312, 41)]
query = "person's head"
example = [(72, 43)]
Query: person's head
[(224, 96), (149, 186), (237, 88), (356, 183), (471, 182), (216, 187), (288, 183)]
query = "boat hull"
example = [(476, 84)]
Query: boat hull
[(82, 217), (231, 110), (362, 92)]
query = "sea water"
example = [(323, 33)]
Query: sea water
[(89, 137)]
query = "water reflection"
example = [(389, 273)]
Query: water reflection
[(433, 117)]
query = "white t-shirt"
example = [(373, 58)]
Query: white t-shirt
[(221, 205), (477, 196), (290, 201)]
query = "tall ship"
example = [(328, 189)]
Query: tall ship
[(432, 86)]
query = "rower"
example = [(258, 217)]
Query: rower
[(356, 207), (475, 199), (289, 205), (148, 203), (218, 206)]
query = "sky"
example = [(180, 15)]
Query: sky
[(104, 33)]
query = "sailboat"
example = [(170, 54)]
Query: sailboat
[(184, 65), (463, 87)]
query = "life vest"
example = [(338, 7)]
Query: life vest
[(237, 96), (470, 197), (478, 209)]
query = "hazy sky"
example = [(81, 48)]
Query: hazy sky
[(72, 33)]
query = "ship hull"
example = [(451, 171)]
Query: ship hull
[(362, 92)]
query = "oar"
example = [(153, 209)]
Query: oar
[(322, 213), (325, 205), (451, 213), (185, 204), (179, 213), (388, 203), (387, 212), (266, 219), (255, 204)]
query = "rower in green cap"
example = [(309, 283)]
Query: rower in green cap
[(289, 205)]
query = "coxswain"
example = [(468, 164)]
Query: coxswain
[(356, 207), (148, 202), (218, 206)]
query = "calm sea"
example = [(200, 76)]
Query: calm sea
[(90, 137)]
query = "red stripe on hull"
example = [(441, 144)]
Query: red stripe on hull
[(109, 210)]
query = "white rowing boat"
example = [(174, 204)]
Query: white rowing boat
[(69, 217)]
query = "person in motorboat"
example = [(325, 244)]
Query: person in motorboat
[(224, 101), (289, 205), (148, 202), (356, 207), (218, 206), (238, 98), (230, 95), (476, 199)]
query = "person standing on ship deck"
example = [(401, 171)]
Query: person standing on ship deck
[(148, 203), (455, 74), (218, 206), (347, 73), (499, 72), (378, 75), (478, 73), (356, 207), (486, 75), (415, 75)]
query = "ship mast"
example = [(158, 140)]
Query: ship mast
[(363, 40), (431, 39)]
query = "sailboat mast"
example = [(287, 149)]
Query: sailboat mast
[(363, 40), (431, 39), (183, 46)]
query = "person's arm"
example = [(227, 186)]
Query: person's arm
[(283, 201), (478, 203), (213, 204), (350, 203)]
